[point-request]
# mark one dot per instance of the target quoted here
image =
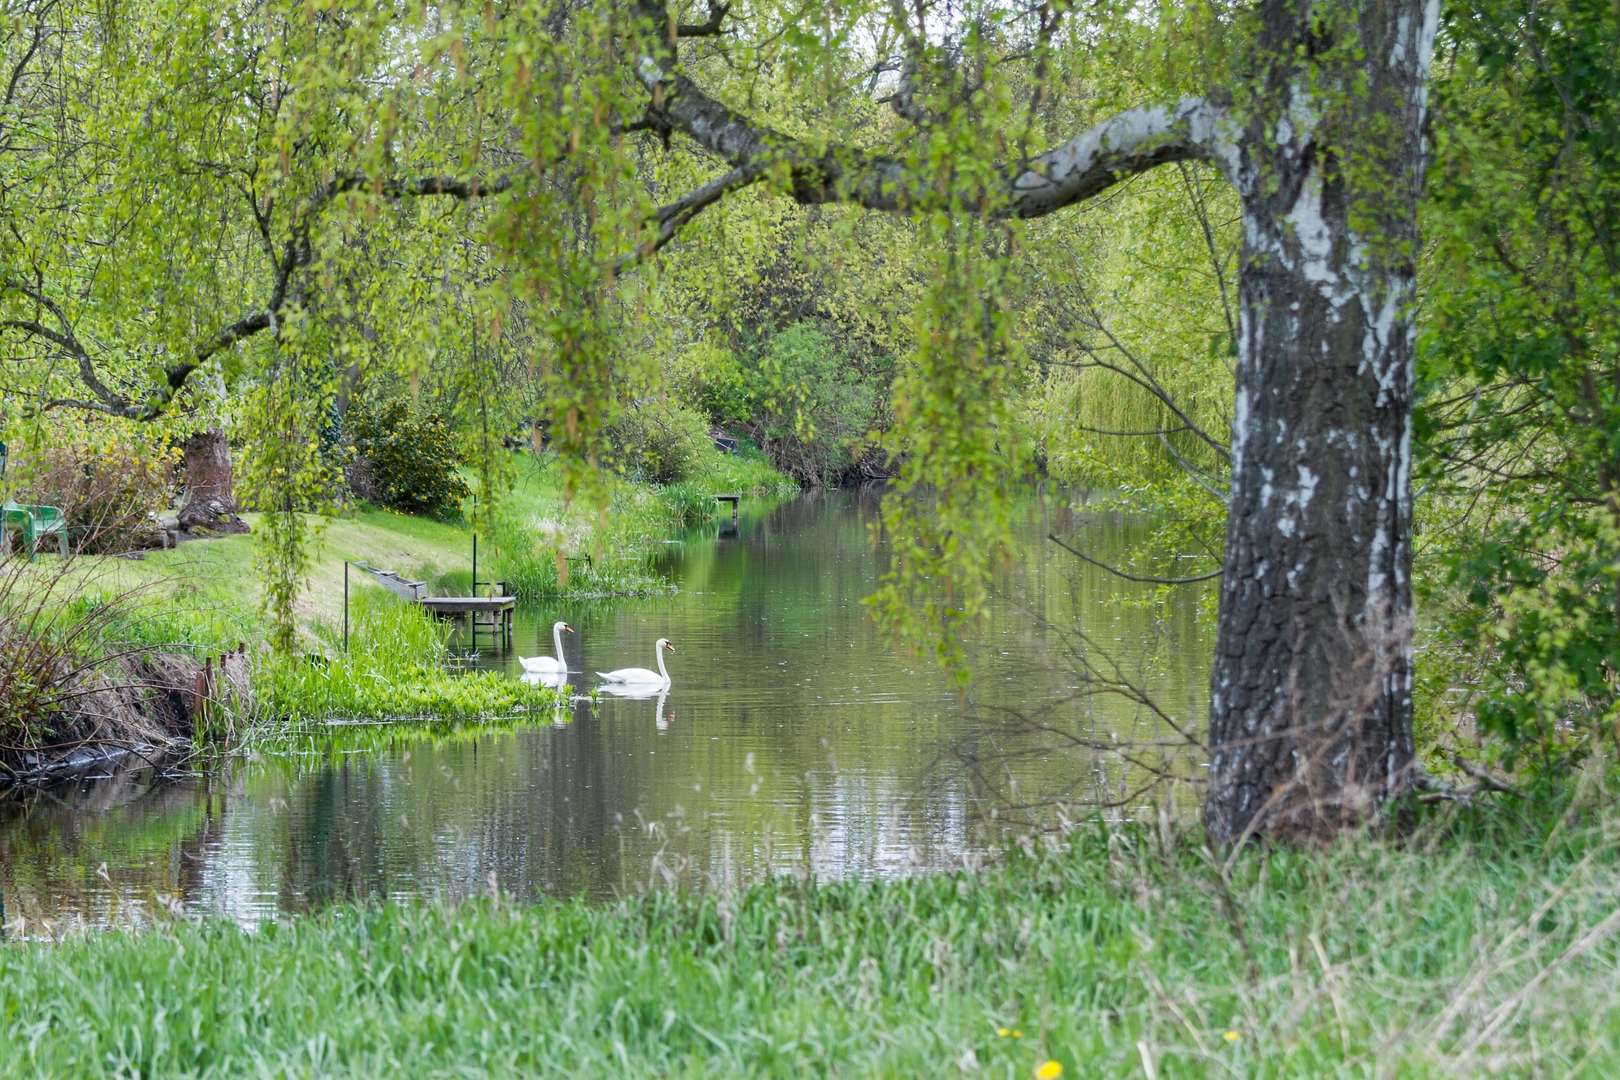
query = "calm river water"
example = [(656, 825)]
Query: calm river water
[(796, 738)]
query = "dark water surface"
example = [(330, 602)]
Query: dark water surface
[(796, 738)]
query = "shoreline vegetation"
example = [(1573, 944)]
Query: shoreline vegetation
[(1480, 941), (120, 653)]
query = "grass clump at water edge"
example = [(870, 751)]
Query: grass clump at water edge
[(1125, 953), (394, 667)]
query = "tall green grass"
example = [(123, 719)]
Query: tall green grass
[(691, 501), (1477, 946), (394, 667), (611, 554)]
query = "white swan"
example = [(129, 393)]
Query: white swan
[(639, 676), (548, 665)]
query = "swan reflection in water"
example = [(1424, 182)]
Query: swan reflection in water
[(563, 715), (555, 680), (634, 692)]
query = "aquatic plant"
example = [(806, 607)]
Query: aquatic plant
[(394, 666)]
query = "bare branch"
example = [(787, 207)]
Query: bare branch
[(1132, 577), (717, 12)]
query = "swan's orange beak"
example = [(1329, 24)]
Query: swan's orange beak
[(568, 628), (668, 646)]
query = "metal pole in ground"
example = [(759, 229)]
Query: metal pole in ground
[(345, 605)]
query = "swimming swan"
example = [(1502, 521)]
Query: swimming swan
[(548, 665), (640, 675)]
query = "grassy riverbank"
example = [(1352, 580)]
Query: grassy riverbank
[(1482, 946), (203, 598), (213, 585)]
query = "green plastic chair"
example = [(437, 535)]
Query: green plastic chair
[(37, 525)]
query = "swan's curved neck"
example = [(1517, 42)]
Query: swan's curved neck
[(661, 670), (556, 637)]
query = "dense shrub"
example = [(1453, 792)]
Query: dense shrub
[(711, 379), (814, 405), (404, 462), (810, 400), (110, 485), (659, 441)]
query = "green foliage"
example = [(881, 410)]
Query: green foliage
[(658, 441), (712, 380), (958, 440), (814, 407), (405, 462), (1520, 431), (285, 475), (1134, 333), (1123, 949)]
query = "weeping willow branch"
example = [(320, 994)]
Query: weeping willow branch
[(297, 255), (670, 218)]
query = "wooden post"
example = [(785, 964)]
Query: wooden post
[(734, 500), (198, 697)]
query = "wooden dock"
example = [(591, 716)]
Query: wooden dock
[(734, 500), (490, 615)]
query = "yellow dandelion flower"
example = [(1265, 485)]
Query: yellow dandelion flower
[(1017, 1034), (1051, 1070), (1003, 1032), (1231, 1036)]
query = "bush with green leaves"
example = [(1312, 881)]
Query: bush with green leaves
[(1518, 435), (814, 404), (711, 379), (405, 462), (658, 441)]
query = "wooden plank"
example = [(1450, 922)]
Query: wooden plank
[(403, 588), (462, 605)]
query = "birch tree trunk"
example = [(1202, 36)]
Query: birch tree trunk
[(1311, 690)]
